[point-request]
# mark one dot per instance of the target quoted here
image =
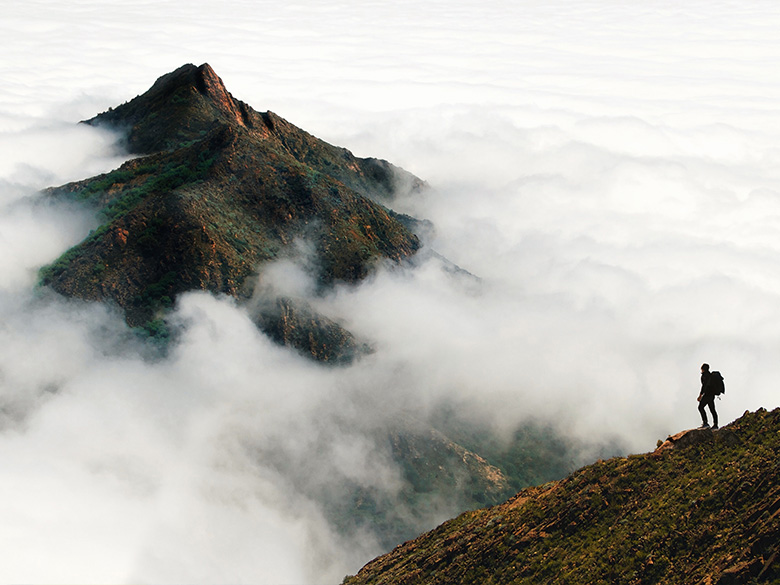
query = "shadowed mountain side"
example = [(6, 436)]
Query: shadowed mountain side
[(700, 511), (412, 476), (438, 478), (293, 323)]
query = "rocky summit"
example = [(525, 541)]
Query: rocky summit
[(704, 508), (219, 191)]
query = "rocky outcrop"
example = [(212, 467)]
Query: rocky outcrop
[(699, 436)]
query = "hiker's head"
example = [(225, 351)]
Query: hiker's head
[(705, 367)]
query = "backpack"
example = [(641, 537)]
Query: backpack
[(716, 385)]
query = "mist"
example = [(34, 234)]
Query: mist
[(605, 176)]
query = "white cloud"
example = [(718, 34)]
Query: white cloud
[(610, 172)]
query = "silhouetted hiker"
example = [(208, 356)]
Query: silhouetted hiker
[(707, 398)]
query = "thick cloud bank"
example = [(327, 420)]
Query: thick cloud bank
[(609, 173)]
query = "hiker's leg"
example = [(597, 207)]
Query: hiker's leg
[(712, 410), (701, 411)]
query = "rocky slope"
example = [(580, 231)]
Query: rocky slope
[(703, 508)]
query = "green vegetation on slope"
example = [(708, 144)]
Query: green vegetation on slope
[(705, 513)]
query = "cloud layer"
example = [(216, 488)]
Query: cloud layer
[(609, 173)]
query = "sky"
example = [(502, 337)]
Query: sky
[(608, 170)]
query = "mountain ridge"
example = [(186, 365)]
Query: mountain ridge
[(705, 509)]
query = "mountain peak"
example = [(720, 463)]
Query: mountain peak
[(203, 78), (207, 78), (210, 85), (182, 105), (222, 191)]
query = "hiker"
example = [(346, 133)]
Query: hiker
[(707, 398)]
